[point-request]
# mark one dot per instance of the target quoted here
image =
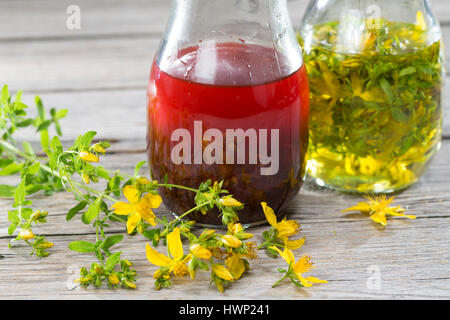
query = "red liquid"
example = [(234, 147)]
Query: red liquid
[(229, 86)]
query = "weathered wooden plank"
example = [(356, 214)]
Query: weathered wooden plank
[(25, 18), (412, 258)]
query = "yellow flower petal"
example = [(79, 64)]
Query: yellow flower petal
[(235, 265), (303, 265), (122, 208), (133, 221), (148, 216), (287, 254), (131, 193), (174, 244), (362, 207), (294, 244), (152, 200), (222, 272), (270, 214), (303, 281), (315, 280), (287, 228), (379, 217), (156, 258)]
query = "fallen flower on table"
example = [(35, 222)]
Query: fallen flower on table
[(378, 207), (175, 263), (296, 269), (280, 232)]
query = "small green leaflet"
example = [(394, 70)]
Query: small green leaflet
[(82, 246)]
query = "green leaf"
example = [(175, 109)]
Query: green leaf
[(11, 169), (27, 148), (87, 138), (7, 191), (387, 90), (19, 195), (11, 229), (399, 115), (4, 97), (40, 108), (82, 246), (407, 71), (56, 145), (101, 172), (111, 241), (61, 113), (93, 211), (138, 167), (73, 211), (13, 217), (112, 261)]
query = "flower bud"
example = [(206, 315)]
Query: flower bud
[(231, 241), (113, 279), (44, 245), (26, 235), (88, 157), (36, 215), (201, 252), (230, 202), (98, 269), (128, 284), (158, 274), (126, 263), (235, 228), (85, 178), (143, 181), (99, 149), (245, 236)]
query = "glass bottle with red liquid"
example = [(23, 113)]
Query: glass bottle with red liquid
[(228, 101)]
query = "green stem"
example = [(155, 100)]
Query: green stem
[(166, 185), (189, 211), (44, 167), (281, 280)]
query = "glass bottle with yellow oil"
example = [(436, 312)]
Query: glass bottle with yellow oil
[(376, 73)]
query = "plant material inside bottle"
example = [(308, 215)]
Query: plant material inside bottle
[(376, 116)]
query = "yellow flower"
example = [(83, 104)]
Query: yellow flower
[(378, 207), (231, 241), (229, 201), (88, 157), (303, 265), (235, 265), (138, 209), (285, 228), (26, 235), (177, 262), (200, 252), (222, 272)]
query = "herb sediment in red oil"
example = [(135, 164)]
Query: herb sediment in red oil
[(229, 86)]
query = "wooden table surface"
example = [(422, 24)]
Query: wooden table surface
[(100, 74)]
